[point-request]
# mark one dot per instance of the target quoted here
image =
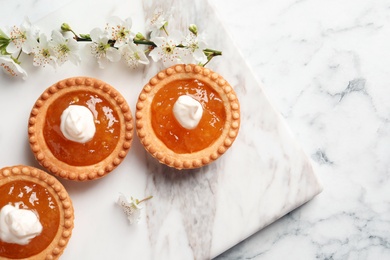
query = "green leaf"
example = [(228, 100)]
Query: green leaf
[(4, 41), (3, 35)]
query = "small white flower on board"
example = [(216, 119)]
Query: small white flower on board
[(131, 207)]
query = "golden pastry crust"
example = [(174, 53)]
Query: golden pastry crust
[(56, 166), (156, 147), (57, 191)]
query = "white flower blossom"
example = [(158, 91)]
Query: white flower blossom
[(64, 49), (101, 48), (166, 49), (120, 31), (157, 23), (10, 67), (43, 54), (193, 51), (133, 55), (131, 208), (20, 37)]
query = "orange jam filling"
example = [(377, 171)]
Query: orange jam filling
[(32, 196), (171, 133), (99, 147)]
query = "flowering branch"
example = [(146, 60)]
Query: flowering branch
[(113, 43), (140, 39)]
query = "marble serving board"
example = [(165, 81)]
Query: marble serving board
[(194, 214)]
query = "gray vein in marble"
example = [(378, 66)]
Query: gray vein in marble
[(354, 85), (189, 192), (321, 157), (330, 31), (353, 242)]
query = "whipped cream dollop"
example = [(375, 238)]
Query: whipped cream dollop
[(18, 226), (77, 124), (187, 111)]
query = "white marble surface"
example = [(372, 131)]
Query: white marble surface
[(325, 66)]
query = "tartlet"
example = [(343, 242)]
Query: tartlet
[(52, 203), (163, 136), (95, 158)]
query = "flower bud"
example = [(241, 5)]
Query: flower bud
[(139, 37), (193, 28), (65, 27)]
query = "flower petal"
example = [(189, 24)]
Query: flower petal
[(130, 208), (113, 54), (10, 67), (98, 35), (199, 56), (155, 54)]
